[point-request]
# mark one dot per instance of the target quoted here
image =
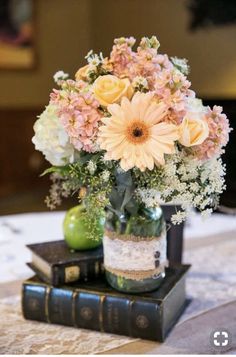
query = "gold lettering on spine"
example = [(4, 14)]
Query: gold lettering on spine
[(47, 293), (72, 273), (142, 322), (74, 296), (102, 299), (97, 268)]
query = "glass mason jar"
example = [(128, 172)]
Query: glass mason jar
[(135, 250)]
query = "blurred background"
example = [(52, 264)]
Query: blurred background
[(40, 37)]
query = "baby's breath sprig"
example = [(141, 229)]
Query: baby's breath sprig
[(140, 84), (97, 66), (61, 187), (95, 203)]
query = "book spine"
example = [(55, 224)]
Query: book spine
[(84, 270), (119, 315)]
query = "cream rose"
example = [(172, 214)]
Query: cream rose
[(193, 131), (110, 89)]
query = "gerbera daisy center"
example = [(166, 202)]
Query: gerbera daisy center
[(137, 132)]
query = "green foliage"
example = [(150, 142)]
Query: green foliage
[(149, 179), (61, 170), (105, 186)]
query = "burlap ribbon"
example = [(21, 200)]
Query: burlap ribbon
[(134, 257)]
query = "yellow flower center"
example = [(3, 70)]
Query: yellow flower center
[(137, 132)]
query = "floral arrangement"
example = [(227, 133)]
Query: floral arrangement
[(129, 131)]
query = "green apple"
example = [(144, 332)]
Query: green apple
[(75, 228)]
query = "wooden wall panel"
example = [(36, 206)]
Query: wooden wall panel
[(20, 164)]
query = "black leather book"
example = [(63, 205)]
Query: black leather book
[(96, 306), (55, 264)]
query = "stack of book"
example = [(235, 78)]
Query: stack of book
[(71, 289)]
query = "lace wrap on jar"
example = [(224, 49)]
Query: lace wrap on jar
[(134, 257)]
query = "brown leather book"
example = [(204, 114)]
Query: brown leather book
[(55, 264)]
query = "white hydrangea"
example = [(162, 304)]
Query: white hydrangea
[(195, 108), (51, 139)]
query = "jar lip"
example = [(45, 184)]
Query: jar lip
[(141, 208), (131, 237)]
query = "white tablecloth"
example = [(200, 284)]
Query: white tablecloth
[(18, 230)]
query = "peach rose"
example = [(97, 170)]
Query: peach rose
[(110, 89), (82, 73), (193, 131)]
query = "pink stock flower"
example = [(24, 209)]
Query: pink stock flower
[(148, 63), (172, 87), (175, 117), (122, 57), (80, 117), (169, 84), (145, 62), (55, 96), (219, 130), (163, 61), (69, 89)]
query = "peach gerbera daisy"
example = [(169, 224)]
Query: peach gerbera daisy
[(135, 133)]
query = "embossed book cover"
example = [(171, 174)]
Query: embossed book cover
[(96, 306), (55, 264)]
